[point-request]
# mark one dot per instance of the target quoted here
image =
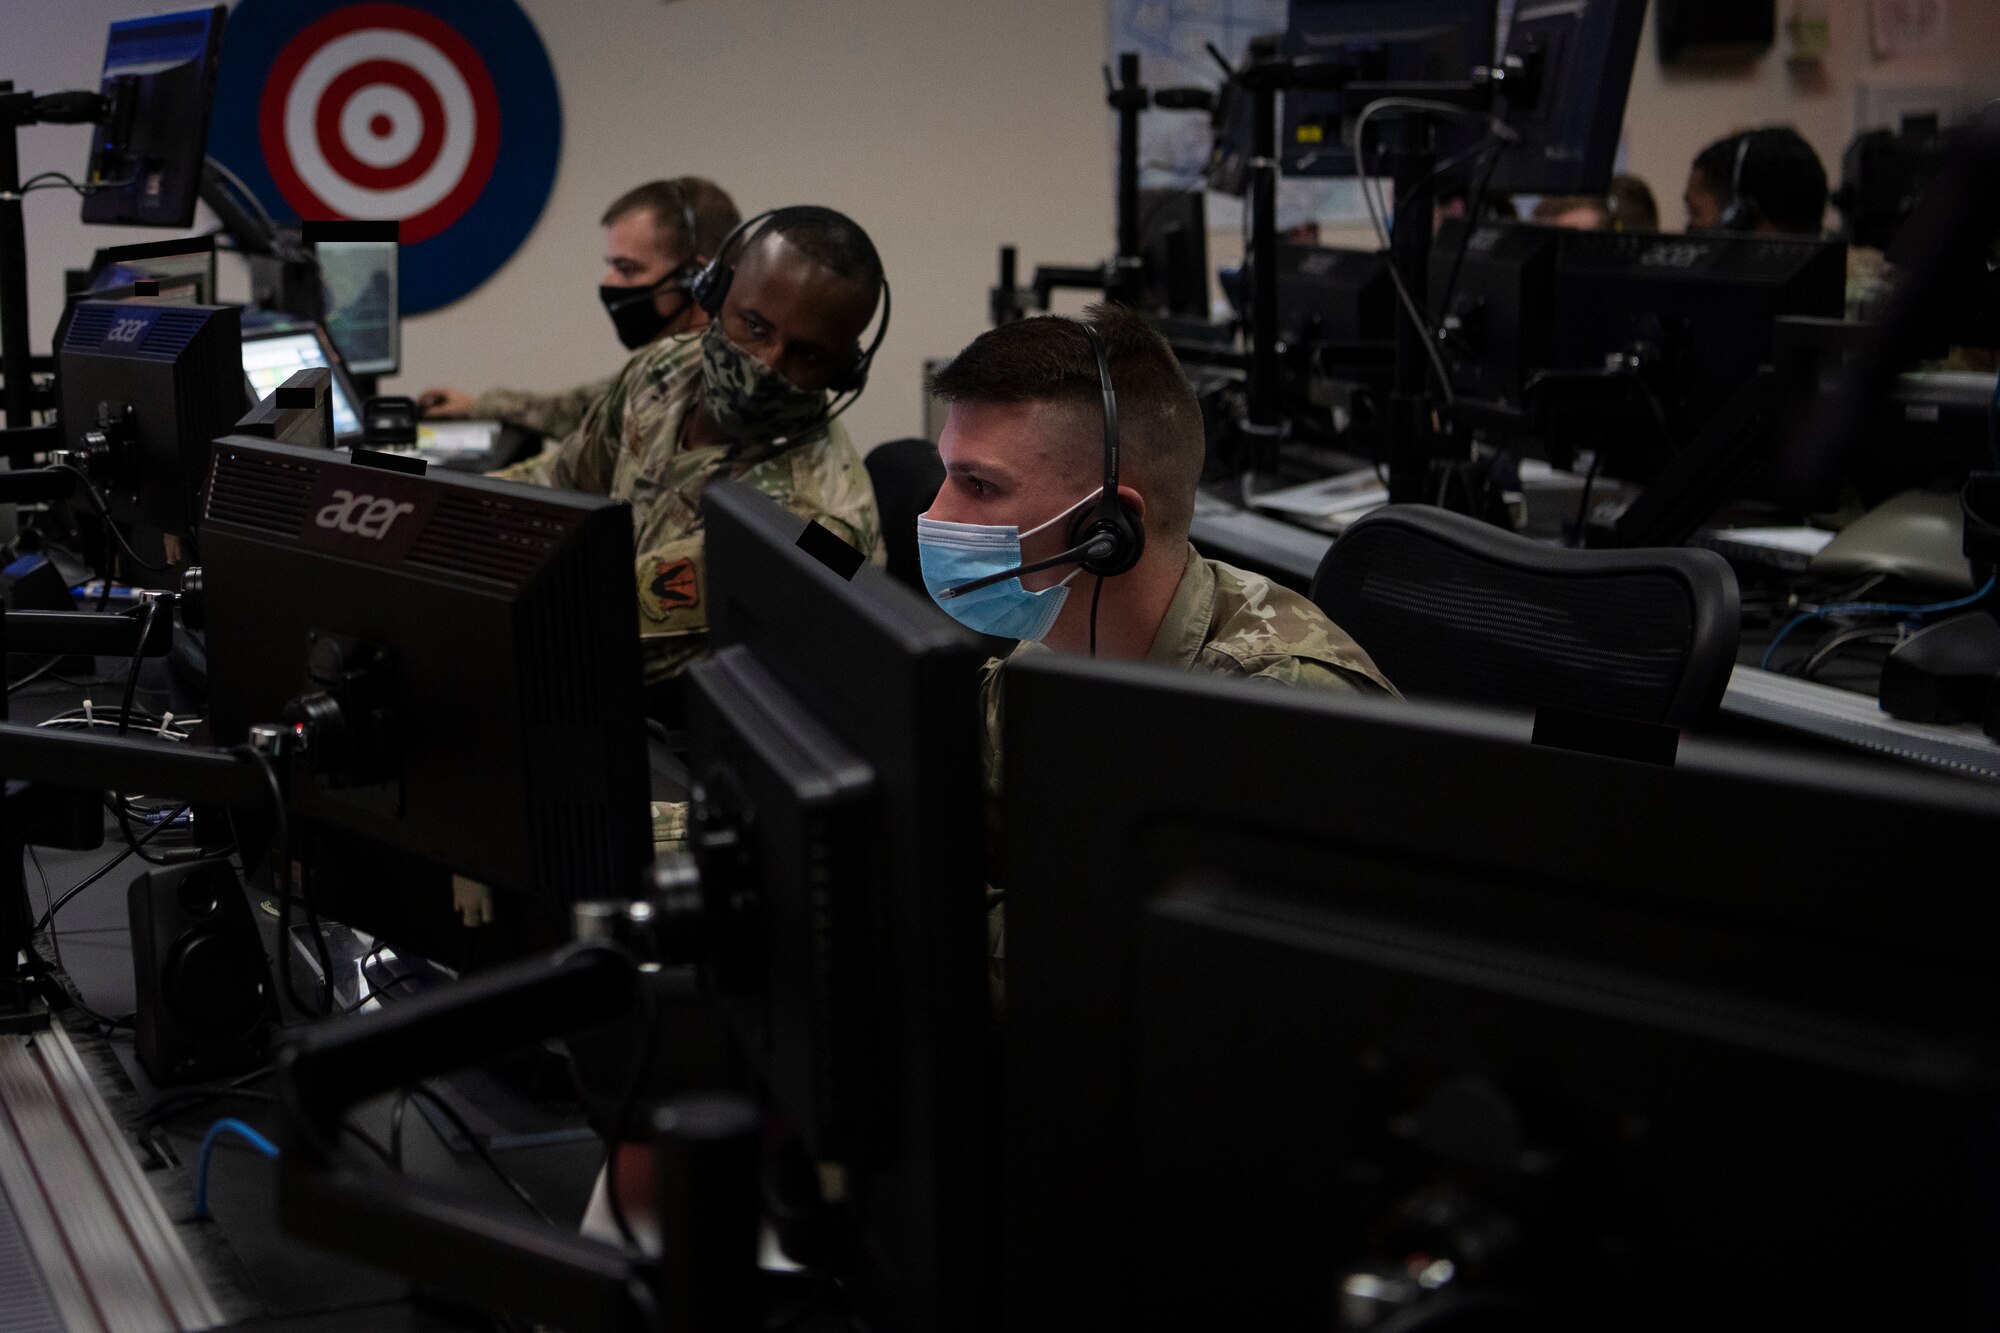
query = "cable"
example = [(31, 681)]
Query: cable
[(227, 1125), (1824, 651), (103, 508), (35, 675), (49, 916), (281, 884), (1875, 608), (479, 1148), (1481, 181), (1095, 593), (1383, 232), (146, 623), (1583, 501), (622, 1122)]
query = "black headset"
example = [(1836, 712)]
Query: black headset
[(676, 277), (1741, 213), (710, 288), (1106, 539)]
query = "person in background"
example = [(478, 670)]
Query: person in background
[(1633, 207), (656, 237), (1582, 212)]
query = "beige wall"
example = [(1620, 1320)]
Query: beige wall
[(944, 126)]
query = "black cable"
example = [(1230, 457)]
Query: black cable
[(49, 916), (1473, 201), (35, 675), (59, 181), (479, 1148), (98, 502), (1583, 501), (1825, 650), (125, 718), (397, 1109), (1095, 593), (281, 885), (622, 1122)]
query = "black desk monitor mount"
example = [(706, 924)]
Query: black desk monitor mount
[(1122, 279)]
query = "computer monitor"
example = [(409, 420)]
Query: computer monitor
[(1322, 1007), (835, 740), (1328, 295), (190, 259), (145, 388), (1386, 41), (1173, 237), (1583, 52), (272, 355), (1698, 311), (461, 658), (159, 82), (362, 281)]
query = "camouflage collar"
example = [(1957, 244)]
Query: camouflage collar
[(1183, 630)]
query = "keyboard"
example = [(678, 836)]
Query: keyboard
[(1857, 720)]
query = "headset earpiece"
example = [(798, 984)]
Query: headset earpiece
[(1740, 214), (1108, 524), (711, 286), (855, 377)]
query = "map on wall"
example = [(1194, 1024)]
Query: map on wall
[(1172, 39)]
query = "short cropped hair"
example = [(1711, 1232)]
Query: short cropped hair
[(830, 239), (672, 203), (1048, 359), (1633, 207), (1782, 176)]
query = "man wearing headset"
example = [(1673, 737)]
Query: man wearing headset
[(752, 398), (1026, 541), (1024, 448), (656, 237)]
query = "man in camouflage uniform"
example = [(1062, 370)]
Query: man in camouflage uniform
[(657, 236), (1023, 444), (746, 400)]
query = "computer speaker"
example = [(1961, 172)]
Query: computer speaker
[(206, 1006)]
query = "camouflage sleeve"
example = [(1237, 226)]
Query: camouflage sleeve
[(670, 826), (587, 457), (673, 603), (1310, 673), (556, 415)]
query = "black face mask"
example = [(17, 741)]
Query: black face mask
[(632, 311)]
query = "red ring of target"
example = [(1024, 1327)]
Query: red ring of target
[(300, 194), (326, 124)]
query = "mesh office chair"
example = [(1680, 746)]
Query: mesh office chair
[(1450, 607), (906, 475)]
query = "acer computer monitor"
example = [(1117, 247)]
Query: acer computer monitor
[(145, 389), (458, 660)]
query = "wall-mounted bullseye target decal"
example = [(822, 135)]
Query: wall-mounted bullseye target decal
[(400, 112)]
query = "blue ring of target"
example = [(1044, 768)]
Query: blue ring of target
[(457, 260)]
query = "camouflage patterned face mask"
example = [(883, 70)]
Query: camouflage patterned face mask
[(753, 403)]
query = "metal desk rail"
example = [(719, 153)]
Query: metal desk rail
[(84, 1242), (1857, 720)]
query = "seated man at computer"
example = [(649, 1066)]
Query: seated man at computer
[(656, 237), (750, 399), (1024, 451), (1024, 447)]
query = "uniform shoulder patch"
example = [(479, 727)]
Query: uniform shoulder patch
[(675, 585)]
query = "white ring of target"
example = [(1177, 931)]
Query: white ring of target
[(302, 101), (392, 104)]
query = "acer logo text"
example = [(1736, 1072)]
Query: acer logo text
[(126, 331), (363, 515)]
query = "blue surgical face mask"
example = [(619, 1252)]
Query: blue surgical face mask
[(953, 554)]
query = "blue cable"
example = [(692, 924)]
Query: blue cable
[(227, 1125), (1885, 608)]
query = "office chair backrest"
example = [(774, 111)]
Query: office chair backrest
[(906, 475), (1450, 607)]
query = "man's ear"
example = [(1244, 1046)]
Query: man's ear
[(1134, 502)]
